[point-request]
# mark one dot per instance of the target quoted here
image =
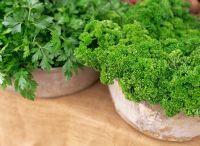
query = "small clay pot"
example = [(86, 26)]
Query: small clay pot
[(195, 6), (54, 84), (151, 119)]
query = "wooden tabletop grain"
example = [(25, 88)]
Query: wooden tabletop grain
[(87, 118)]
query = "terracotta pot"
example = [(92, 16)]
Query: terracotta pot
[(195, 6), (152, 121), (131, 1), (54, 84)]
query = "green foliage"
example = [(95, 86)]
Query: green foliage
[(155, 56), (43, 34)]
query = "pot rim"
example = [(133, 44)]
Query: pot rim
[(57, 69), (53, 69), (153, 106)]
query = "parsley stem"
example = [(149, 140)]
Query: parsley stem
[(29, 13), (62, 38), (38, 45)]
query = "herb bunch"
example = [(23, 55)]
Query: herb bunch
[(43, 34), (155, 56)]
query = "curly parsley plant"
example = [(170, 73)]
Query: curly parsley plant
[(155, 56)]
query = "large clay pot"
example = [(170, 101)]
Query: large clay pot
[(152, 120), (54, 84)]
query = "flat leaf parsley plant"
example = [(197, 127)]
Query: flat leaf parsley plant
[(43, 34)]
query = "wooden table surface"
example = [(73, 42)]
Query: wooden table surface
[(87, 118)]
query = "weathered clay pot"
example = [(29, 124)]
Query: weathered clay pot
[(195, 6), (54, 84), (152, 120)]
